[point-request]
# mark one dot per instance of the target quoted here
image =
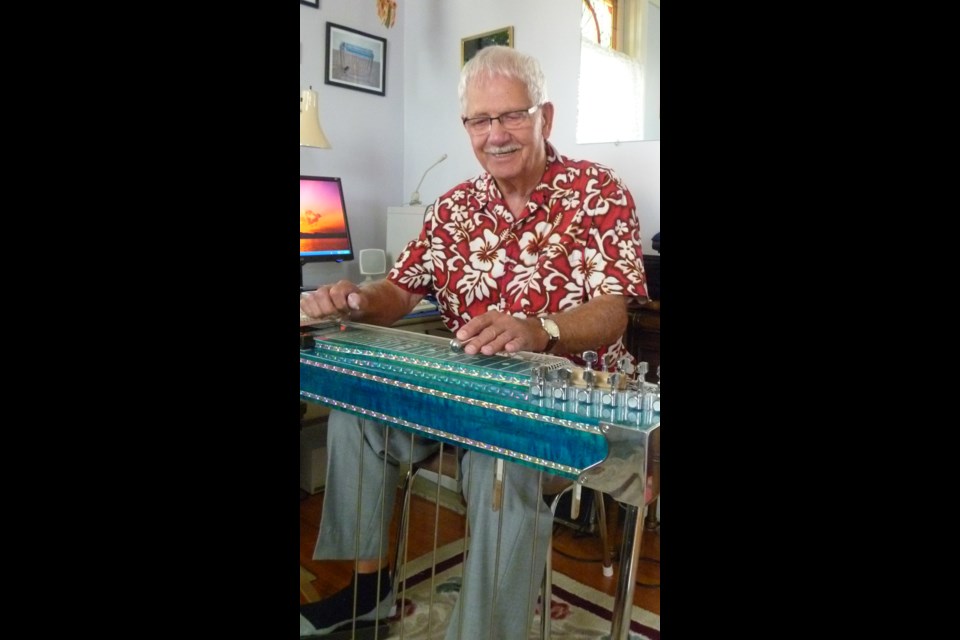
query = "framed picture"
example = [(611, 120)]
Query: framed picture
[(355, 60), (311, 3), (471, 45)]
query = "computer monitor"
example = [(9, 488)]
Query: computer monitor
[(324, 229)]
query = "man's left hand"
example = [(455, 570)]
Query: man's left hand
[(494, 332)]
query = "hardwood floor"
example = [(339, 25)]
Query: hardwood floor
[(575, 554)]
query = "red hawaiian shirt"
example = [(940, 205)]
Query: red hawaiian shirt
[(579, 238)]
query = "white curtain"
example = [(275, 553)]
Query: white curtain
[(610, 101)]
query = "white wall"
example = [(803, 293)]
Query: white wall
[(365, 130), (382, 145)]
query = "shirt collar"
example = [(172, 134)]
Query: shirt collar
[(495, 200)]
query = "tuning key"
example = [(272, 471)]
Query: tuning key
[(611, 363), (589, 378), (616, 380), (586, 394), (537, 387), (590, 357), (642, 368), (561, 393)]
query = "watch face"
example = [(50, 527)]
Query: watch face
[(553, 331), (550, 327)]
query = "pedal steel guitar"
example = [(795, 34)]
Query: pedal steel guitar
[(598, 428)]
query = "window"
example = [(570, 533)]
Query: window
[(619, 89), (598, 22)]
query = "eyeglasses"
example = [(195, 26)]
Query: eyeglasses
[(509, 120)]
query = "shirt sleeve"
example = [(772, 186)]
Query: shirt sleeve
[(613, 257)]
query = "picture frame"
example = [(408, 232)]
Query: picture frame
[(311, 3), (355, 60), (470, 45)]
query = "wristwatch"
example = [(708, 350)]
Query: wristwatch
[(552, 330)]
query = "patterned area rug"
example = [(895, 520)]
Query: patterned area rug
[(577, 612)]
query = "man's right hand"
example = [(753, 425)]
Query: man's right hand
[(333, 300)]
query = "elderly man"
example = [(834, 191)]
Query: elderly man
[(538, 253)]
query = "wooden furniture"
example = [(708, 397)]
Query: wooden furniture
[(643, 335)]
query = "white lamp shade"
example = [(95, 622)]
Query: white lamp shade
[(311, 134)]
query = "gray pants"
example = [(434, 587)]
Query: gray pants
[(523, 546)]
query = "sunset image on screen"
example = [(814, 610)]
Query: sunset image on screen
[(320, 208), (322, 223)]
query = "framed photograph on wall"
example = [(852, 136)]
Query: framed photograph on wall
[(355, 60), (470, 45), (311, 3)]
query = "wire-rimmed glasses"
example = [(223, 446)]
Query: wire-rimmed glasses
[(509, 120)]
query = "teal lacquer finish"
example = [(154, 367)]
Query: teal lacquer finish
[(418, 384), (512, 432)]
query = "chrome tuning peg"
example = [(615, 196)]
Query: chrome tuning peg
[(642, 369), (564, 376), (590, 357), (608, 361)]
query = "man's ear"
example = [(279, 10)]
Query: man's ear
[(546, 112)]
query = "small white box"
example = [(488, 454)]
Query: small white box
[(313, 457), (403, 225)]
